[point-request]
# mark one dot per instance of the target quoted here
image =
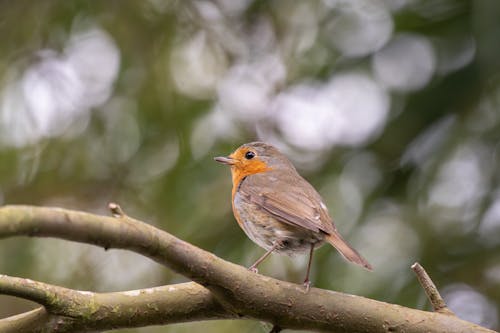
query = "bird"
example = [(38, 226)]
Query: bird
[(278, 209)]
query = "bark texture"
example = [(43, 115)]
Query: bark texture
[(220, 289)]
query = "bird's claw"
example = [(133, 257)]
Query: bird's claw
[(307, 285), (253, 269)]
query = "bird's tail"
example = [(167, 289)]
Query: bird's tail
[(346, 250)]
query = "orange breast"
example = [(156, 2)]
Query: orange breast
[(238, 173), (238, 177)]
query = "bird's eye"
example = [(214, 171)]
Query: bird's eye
[(249, 155)]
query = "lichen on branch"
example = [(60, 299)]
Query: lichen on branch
[(220, 289)]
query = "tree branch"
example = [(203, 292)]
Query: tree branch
[(430, 290), (71, 310), (57, 300), (233, 288)]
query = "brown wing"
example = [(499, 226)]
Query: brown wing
[(289, 198)]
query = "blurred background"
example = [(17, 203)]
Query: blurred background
[(390, 108)]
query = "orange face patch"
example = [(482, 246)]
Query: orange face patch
[(243, 166)]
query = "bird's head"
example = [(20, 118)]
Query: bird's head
[(255, 157)]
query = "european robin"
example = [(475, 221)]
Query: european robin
[(278, 209)]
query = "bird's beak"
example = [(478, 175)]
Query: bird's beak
[(225, 160)]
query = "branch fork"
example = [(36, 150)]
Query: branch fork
[(220, 289)]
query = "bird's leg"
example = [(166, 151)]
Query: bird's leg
[(253, 268), (275, 329), (307, 283)]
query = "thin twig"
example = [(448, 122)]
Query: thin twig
[(116, 210), (430, 289)]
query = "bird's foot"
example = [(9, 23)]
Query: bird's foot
[(253, 269), (275, 329), (307, 285)]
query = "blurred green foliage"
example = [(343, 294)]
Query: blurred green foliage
[(391, 108)]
